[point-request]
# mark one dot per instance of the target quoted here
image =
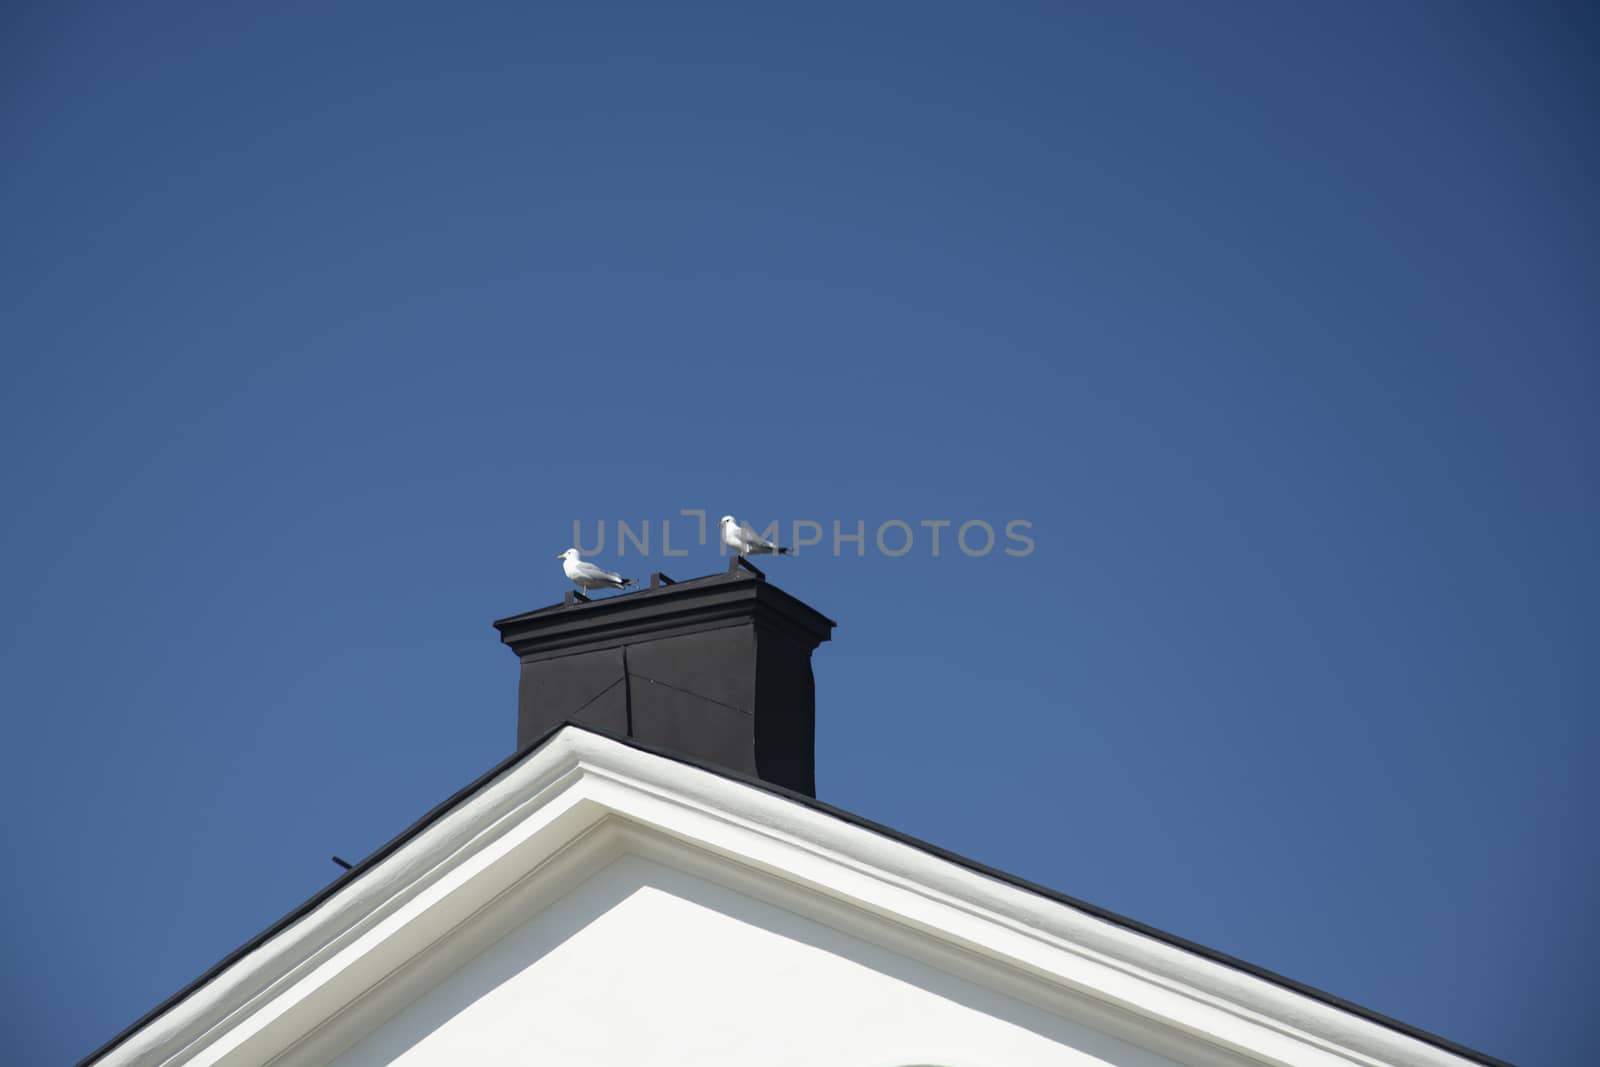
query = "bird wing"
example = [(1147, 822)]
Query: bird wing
[(588, 571), (748, 534)]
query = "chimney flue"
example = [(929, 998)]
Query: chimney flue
[(717, 669)]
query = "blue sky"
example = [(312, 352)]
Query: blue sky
[(323, 324)]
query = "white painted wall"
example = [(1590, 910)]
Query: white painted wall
[(644, 964), (596, 904)]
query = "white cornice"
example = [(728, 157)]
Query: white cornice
[(542, 825)]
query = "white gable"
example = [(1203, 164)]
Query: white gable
[(645, 963), (598, 904)]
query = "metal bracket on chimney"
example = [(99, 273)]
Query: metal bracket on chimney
[(574, 597), (739, 561)]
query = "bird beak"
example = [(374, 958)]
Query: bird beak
[(561, 555)]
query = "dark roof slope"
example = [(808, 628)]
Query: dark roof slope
[(443, 808)]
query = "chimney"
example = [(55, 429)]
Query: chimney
[(717, 669)]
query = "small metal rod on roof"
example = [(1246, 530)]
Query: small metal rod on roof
[(659, 579), (346, 864), (739, 561), (574, 597)]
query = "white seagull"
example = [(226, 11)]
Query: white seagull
[(587, 576), (743, 539)]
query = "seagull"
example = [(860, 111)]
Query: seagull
[(743, 539), (587, 576)]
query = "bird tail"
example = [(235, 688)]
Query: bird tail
[(626, 582), (785, 551)]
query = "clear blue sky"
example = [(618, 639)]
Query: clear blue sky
[(322, 324)]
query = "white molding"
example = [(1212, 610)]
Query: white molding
[(550, 820)]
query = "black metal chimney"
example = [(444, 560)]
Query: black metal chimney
[(716, 668)]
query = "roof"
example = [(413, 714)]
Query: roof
[(457, 799)]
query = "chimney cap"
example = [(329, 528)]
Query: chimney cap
[(674, 607)]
